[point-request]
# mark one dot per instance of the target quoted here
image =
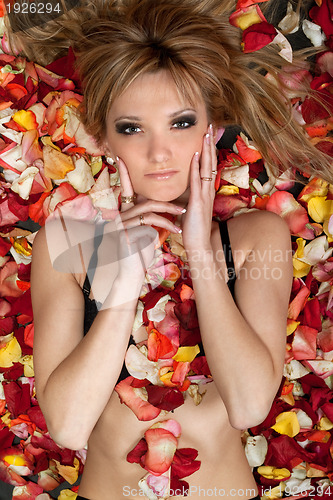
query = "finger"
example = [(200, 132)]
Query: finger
[(150, 219), (138, 237), (152, 206), (206, 163), (195, 182), (126, 187), (214, 159)]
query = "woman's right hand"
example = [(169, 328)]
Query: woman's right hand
[(136, 242)]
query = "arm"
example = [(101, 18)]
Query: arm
[(245, 341), (69, 367)]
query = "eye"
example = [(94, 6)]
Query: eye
[(127, 128), (185, 122)]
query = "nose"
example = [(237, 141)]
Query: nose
[(159, 150)]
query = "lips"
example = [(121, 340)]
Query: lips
[(162, 175)]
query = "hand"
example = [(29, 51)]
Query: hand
[(137, 243), (197, 222)]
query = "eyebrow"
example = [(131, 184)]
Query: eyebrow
[(172, 115)]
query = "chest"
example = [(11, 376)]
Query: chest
[(235, 250)]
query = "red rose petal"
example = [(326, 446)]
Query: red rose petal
[(257, 36)]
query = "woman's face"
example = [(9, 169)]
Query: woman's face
[(152, 130)]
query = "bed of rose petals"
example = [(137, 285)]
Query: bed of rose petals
[(49, 162)]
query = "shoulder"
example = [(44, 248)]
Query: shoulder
[(251, 233), (262, 220), (53, 262), (65, 249), (258, 228)]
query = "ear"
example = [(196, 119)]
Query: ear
[(107, 151)]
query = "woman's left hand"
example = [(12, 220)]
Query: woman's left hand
[(197, 221)]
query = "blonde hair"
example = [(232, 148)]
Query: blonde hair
[(117, 41)]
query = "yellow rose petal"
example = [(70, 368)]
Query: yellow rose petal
[(22, 246), (166, 377), (287, 423), (47, 141), (300, 248), (10, 353), (26, 119), (316, 187), (274, 493), (56, 164), (300, 268), (67, 495), (270, 472), (6, 418), (96, 164), (228, 190), (69, 473), (28, 363), (325, 424), (326, 231), (249, 18), (319, 208), (291, 326), (14, 460), (186, 353)]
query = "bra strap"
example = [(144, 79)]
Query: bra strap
[(93, 262), (227, 251)]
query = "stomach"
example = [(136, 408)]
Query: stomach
[(224, 470)]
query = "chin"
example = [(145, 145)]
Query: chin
[(165, 195)]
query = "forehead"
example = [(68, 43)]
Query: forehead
[(154, 91)]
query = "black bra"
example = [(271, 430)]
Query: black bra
[(92, 307)]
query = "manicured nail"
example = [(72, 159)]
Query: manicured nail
[(208, 138), (178, 229), (196, 155), (211, 129), (117, 159), (181, 210)]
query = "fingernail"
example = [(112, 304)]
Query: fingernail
[(211, 129), (196, 155), (178, 229), (117, 159), (208, 138), (182, 210)]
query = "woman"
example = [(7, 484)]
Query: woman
[(159, 80)]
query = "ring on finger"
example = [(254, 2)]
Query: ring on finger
[(128, 199), (142, 221), (206, 178)]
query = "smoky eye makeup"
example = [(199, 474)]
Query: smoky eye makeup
[(130, 128), (127, 128), (191, 120)]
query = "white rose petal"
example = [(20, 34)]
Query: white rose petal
[(157, 313), (13, 158), (291, 19), (294, 369), (23, 184), (138, 321), (238, 176), (317, 250), (140, 367), (81, 177), (256, 450), (304, 420), (313, 32)]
